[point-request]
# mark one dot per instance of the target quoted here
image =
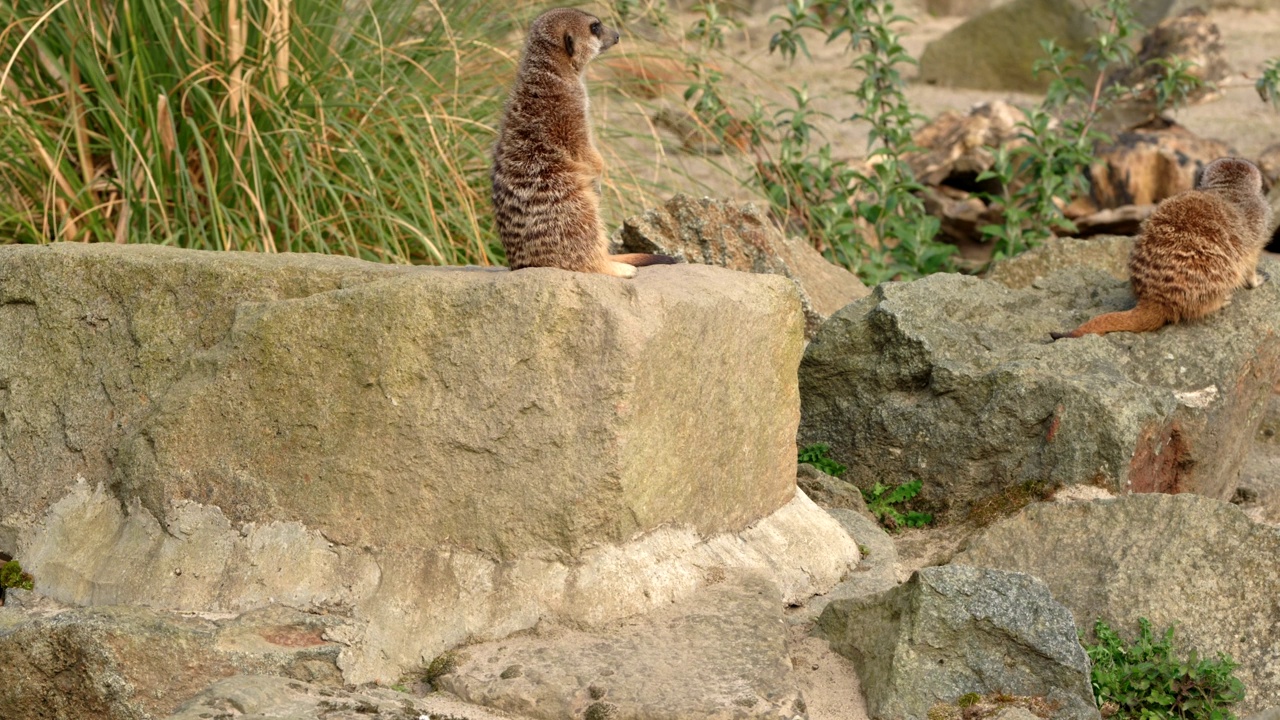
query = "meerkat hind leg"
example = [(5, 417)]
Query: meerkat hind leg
[(621, 270)]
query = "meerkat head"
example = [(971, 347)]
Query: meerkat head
[(1234, 173), (571, 36)]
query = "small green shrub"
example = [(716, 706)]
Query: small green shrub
[(438, 668), (1268, 84), (872, 219), (882, 500), (1146, 681), (12, 576), (817, 456)]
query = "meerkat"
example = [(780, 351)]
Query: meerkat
[(545, 164), (1194, 251)]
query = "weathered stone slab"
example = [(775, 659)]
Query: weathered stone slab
[(92, 335), (715, 232), (949, 379), (1182, 559), (953, 630), (720, 654), (1107, 253), (996, 50), (257, 697), (432, 455), (119, 663), (407, 400), (405, 607)]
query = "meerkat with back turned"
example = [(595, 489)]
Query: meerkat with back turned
[(545, 164), (1194, 251)]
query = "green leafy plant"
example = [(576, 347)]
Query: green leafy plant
[(1038, 178), (1268, 83), (12, 576), (1146, 680), (439, 667), (883, 499), (869, 219), (818, 455)]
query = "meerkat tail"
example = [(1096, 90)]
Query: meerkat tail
[(642, 259), (1143, 318)]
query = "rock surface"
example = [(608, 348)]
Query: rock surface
[(433, 455), (119, 663), (953, 630), (720, 654), (715, 232), (1106, 253), (958, 147), (878, 570), (1146, 165), (1180, 559), (996, 50), (260, 696), (1189, 36), (949, 379)]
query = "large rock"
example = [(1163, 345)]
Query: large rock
[(949, 379), (1146, 165), (1193, 561), (954, 630), (434, 454), (1189, 36), (331, 400), (997, 49), (721, 654), (1106, 253), (715, 232), (118, 663)]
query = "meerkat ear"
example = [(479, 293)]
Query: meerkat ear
[(568, 44)]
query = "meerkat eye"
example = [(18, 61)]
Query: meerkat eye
[(595, 28)]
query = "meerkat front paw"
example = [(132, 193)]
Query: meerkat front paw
[(1258, 278)]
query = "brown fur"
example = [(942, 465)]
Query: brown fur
[(545, 164), (1194, 251)]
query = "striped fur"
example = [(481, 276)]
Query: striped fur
[(1194, 251), (545, 164)]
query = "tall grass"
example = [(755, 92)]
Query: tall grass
[(360, 128)]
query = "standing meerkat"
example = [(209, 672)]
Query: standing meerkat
[(1194, 251), (545, 164)]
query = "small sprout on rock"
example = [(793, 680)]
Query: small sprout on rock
[(882, 499), (818, 456), (600, 711), (441, 666), (12, 576)]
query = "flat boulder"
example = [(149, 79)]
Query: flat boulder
[(719, 654), (951, 380), (122, 663), (435, 455), (954, 630), (996, 50), (1199, 563)]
